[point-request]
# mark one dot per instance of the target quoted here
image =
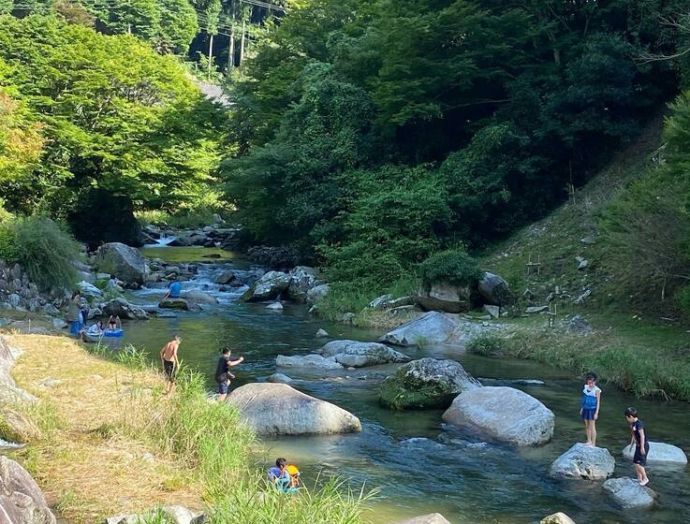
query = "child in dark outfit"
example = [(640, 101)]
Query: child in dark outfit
[(639, 438), (223, 374)]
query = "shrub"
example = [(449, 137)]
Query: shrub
[(454, 266), (487, 345), (45, 251)]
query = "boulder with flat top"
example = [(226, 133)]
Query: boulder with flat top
[(278, 409), (430, 328), (583, 462), (659, 453), (502, 414), (351, 353), (628, 493)]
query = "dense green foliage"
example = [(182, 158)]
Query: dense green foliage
[(43, 249), (111, 115), (377, 133), (454, 266)]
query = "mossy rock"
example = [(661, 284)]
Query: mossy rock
[(425, 384)]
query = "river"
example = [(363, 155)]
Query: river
[(418, 465)]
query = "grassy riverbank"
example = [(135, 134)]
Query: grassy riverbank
[(104, 440)]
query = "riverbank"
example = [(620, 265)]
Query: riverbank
[(104, 440)]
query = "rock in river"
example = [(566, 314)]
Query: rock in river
[(431, 518), (268, 287), (628, 493), (660, 453), (351, 353), (278, 409), (583, 462), (307, 361), (125, 262), (425, 383), (503, 414)]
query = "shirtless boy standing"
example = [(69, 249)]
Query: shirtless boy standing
[(170, 362)]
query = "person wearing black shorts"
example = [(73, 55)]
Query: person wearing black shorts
[(223, 374), (639, 439), (170, 362)]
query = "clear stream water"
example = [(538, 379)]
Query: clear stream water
[(418, 465)]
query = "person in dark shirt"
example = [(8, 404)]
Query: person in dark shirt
[(639, 439), (223, 374)]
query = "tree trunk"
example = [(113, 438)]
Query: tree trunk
[(242, 42), (210, 54), (231, 48)]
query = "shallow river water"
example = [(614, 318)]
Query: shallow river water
[(418, 465)]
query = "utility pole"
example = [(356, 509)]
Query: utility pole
[(242, 43), (210, 54), (231, 46)]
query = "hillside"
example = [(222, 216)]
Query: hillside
[(641, 346)]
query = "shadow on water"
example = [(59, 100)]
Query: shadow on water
[(419, 465)]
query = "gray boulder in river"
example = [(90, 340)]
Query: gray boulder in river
[(628, 493), (430, 328), (269, 287), (660, 454), (557, 518), (317, 293), (307, 361), (355, 354), (503, 414), (425, 384), (199, 297), (125, 262), (444, 296), (278, 409), (120, 307), (431, 518), (21, 500), (583, 462), (302, 279)]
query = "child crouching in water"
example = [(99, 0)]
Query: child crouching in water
[(639, 438), (589, 407)]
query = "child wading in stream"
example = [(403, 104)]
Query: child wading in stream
[(589, 408)]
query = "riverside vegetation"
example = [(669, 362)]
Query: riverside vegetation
[(102, 432)]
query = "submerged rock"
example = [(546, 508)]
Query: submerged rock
[(431, 518), (355, 354), (279, 378), (424, 384), (503, 414), (660, 453), (583, 462), (628, 493), (278, 409)]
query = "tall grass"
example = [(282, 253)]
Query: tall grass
[(43, 249)]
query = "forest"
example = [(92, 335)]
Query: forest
[(367, 135)]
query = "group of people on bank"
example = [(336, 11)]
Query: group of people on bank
[(589, 411)]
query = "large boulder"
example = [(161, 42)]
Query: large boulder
[(659, 453), (351, 353), (503, 414), (268, 287), (307, 361), (317, 293), (121, 308), (171, 514), (125, 262), (430, 328), (278, 409), (443, 296), (431, 518), (494, 290), (628, 493), (424, 384), (302, 279), (583, 462), (21, 500), (199, 297)]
